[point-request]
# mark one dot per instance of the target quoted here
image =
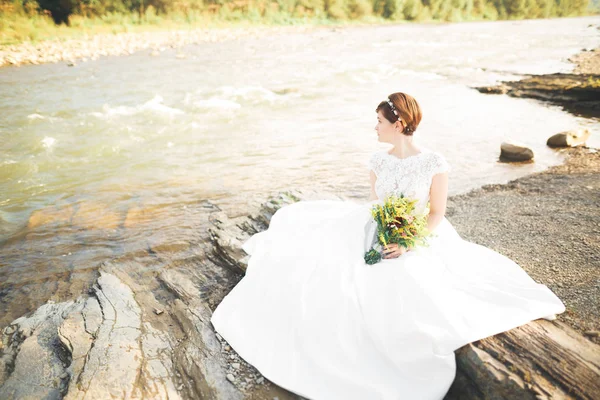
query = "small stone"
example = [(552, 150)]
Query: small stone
[(514, 151), (227, 348), (180, 387), (592, 333), (236, 365), (230, 378), (248, 380), (232, 357), (260, 380), (157, 311)]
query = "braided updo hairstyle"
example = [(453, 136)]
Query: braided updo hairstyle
[(408, 111)]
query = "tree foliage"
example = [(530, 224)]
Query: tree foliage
[(441, 10)]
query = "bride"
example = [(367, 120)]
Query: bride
[(315, 319)]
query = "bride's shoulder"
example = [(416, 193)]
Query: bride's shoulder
[(437, 162), (376, 159)]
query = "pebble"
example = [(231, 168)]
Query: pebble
[(230, 378), (592, 333), (236, 365), (232, 357), (260, 380)]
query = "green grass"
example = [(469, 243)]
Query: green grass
[(20, 26), (16, 29)]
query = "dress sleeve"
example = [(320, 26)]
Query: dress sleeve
[(439, 164), (375, 163)]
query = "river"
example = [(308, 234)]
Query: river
[(126, 157)]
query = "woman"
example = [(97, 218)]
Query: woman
[(314, 318)]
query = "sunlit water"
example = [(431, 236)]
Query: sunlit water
[(122, 157)]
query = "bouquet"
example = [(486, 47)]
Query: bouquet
[(397, 223)]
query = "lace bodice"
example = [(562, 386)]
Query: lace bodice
[(410, 176)]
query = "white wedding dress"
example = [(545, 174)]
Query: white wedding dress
[(315, 319)]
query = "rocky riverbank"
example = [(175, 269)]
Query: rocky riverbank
[(578, 92), (73, 51), (549, 223), (154, 332)]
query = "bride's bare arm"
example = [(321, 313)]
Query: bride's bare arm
[(373, 178), (438, 195)]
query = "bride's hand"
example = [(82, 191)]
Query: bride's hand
[(393, 251)]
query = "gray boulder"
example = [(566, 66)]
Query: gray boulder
[(514, 151), (572, 138)]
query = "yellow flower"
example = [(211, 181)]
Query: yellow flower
[(382, 238)]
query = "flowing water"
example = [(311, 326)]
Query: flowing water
[(127, 157)]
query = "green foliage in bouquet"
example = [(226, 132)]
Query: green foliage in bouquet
[(398, 223), (372, 257)]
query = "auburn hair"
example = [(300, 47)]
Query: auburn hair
[(408, 111)]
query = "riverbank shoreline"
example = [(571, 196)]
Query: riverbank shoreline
[(577, 92), (73, 51), (89, 45), (549, 223)]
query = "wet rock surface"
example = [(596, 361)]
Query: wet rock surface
[(576, 137), (540, 360), (513, 151), (578, 92), (133, 335)]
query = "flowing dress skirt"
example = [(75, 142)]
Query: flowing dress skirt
[(315, 319)]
